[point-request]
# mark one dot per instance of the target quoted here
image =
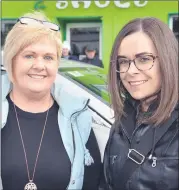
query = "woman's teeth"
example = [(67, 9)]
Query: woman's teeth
[(137, 82), (37, 76)]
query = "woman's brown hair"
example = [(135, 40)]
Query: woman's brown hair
[(166, 45)]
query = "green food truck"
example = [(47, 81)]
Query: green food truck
[(94, 21)]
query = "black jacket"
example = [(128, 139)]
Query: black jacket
[(159, 171), (95, 61)]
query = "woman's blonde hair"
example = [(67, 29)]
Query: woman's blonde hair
[(23, 35)]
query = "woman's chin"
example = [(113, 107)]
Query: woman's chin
[(37, 90), (138, 96)]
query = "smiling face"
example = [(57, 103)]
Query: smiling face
[(34, 68), (140, 84)]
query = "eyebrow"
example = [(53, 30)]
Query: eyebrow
[(137, 55), (143, 53), (121, 56), (33, 52), (52, 54)]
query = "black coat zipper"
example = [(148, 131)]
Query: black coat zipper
[(126, 133)]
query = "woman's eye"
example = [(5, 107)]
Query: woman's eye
[(29, 56), (48, 58), (145, 59), (123, 61)]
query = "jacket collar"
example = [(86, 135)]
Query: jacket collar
[(65, 98)]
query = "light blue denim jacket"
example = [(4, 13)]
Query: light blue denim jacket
[(75, 122)]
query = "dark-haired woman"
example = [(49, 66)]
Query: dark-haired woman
[(142, 150)]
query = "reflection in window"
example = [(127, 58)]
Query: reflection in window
[(174, 24), (101, 87), (6, 26), (80, 37)]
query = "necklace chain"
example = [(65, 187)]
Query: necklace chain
[(25, 154)]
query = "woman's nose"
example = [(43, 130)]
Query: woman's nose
[(132, 68), (39, 63)]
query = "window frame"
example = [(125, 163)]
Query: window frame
[(171, 16), (5, 21), (86, 25)]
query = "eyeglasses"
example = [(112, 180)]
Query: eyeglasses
[(28, 20), (142, 63)]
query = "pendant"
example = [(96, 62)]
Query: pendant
[(30, 186)]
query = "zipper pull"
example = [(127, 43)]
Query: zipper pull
[(114, 158), (150, 157), (154, 163)]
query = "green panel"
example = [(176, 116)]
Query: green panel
[(113, 18)]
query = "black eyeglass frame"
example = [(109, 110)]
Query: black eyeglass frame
[(133, 60), (41, 21)]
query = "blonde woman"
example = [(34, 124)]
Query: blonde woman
[(47, 141), (142, 150)]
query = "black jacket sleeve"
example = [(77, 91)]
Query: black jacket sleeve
[(92, 172)]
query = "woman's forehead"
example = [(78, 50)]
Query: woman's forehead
[(42, 45), (136, 43)]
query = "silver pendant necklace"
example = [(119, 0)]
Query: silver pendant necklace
[(30, 185)]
